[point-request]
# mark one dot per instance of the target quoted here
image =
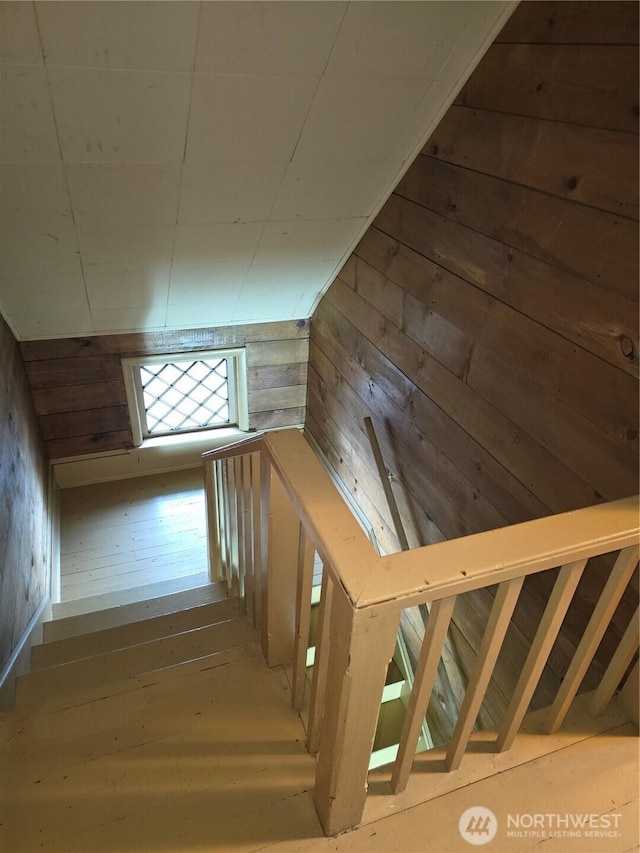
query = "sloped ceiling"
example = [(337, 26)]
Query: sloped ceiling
[(170, 165)]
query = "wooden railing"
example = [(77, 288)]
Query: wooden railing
[(271, 505)]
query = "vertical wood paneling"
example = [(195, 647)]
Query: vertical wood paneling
[(487, 322), (24, 503), (78, 386)]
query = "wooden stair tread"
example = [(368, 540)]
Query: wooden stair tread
[(166, 744), (121, 636), (154, 605), (133, 660), (84, 699), (201, 730)]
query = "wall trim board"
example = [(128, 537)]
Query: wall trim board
[(19, 661), (360, 517), (154, 457)]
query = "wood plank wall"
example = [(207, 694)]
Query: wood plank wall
[(24, 501), (78, 386), (487, 321)]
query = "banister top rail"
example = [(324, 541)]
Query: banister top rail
[(330, 524), (236, 448), (400, 580), (482, 559)]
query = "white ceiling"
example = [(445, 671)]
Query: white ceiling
[(169, 165)]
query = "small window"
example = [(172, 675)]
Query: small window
[(186, 392)]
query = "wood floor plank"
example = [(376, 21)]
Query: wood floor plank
[(127, 533), (217, 763), (156, 793)]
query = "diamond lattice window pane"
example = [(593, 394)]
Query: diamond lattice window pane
[(185, 395)]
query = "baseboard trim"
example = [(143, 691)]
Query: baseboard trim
[(20, 659)]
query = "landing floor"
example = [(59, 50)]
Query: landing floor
[(129, 533), (216, 762)]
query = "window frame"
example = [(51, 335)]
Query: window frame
[(236, 382)]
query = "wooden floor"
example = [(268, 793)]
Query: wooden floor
[(217, 763), (129, 533)]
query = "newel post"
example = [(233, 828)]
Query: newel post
[(361, 646), (280, 538)]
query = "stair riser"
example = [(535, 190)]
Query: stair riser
[(129, 596), (122, 636), (125, 663), (73, 626)]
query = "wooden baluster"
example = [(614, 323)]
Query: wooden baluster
[(306, 556), (213, 524), (256, 539), (222, 520), (248, 535), (598, 623), (554, 613), (238, 479), (227, 523), (320, 664), (434, 637), (627, 647), (499, 619), (232, 533), (361, 646), (281, 533)]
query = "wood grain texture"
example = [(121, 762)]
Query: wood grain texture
[(487, 322), (130, 533), (24, 501), (78, 385), (592, 85), (578, 22), (579, 310), (594, 167), (77, 398), (180, 751), (594, 244)]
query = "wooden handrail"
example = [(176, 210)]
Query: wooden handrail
[(425, 574), (237, 448), (289, 504), (482, 559)]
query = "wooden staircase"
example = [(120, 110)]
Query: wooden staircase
[(168, 732), (110, 646), (177, 736), (118, 730)]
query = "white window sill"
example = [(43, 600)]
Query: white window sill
[(209, 439), (154, 456)]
